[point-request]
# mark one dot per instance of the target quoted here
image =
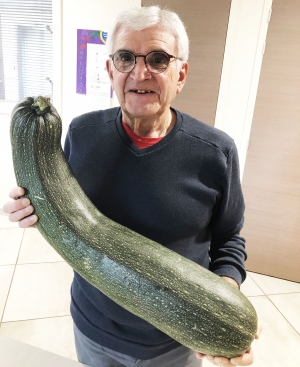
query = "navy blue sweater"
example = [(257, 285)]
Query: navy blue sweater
[(183, 192)]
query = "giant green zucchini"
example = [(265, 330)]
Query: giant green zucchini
[(192, 305)]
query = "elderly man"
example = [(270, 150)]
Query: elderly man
[(159, 172)]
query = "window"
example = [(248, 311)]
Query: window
[(25, 49)]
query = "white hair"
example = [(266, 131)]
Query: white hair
[(145, 17)]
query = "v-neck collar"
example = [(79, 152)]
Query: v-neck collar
[(126, 139)]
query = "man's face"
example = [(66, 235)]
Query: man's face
[(163, 87)]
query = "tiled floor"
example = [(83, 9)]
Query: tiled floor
[(35, 282)]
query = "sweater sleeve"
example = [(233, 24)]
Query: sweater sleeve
[(227, 249), (67, 144)]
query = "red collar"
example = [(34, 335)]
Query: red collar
[(140, 141)]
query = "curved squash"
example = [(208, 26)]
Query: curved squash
[(189, 303)]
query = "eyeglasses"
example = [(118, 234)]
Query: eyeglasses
[(155, 61)]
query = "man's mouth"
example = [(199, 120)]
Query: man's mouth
[(141, 91)]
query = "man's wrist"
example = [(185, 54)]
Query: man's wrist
[(232, 281)]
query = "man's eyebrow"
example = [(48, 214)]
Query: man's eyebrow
[(155, 50), (159, 50), (123, 49)]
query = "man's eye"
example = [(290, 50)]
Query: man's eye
[(125, 57), (159, 59)]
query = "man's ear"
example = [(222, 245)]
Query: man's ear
[(110, 72), (182, 76)]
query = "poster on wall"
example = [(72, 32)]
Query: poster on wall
[(92, 78)]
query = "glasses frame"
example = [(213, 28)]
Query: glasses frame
[(146, 64)]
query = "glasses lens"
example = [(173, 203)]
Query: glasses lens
[(124, 61), (157, 61)]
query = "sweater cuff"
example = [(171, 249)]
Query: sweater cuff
[(230, 272)]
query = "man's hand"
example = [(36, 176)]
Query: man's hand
[(244, 360), (231, 281), (19, 209)]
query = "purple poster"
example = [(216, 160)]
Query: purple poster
[(83, 38)]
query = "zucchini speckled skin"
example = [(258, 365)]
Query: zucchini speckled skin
[(189, 303)]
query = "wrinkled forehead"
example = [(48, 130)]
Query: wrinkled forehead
[(144, 40)]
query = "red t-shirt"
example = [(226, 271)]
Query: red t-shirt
[(140, 141)]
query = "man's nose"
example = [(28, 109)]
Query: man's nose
[(140, 71)]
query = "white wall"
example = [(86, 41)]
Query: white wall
[(69, 16), (247, 31)]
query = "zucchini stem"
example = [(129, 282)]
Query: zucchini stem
[(41, 105)]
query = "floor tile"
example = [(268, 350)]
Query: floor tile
[(38, 291), (6, 274), (250, 288), (10, 242), (35, 249), (52, 334), (5, 223), (289, 306), (279, 343), (270, 285)]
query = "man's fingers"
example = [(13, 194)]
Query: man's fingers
[(20, 213), (28, 221), (212, 359), (20, 209), (259, 330), (16, 192), (245, 360), (17, 205)]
